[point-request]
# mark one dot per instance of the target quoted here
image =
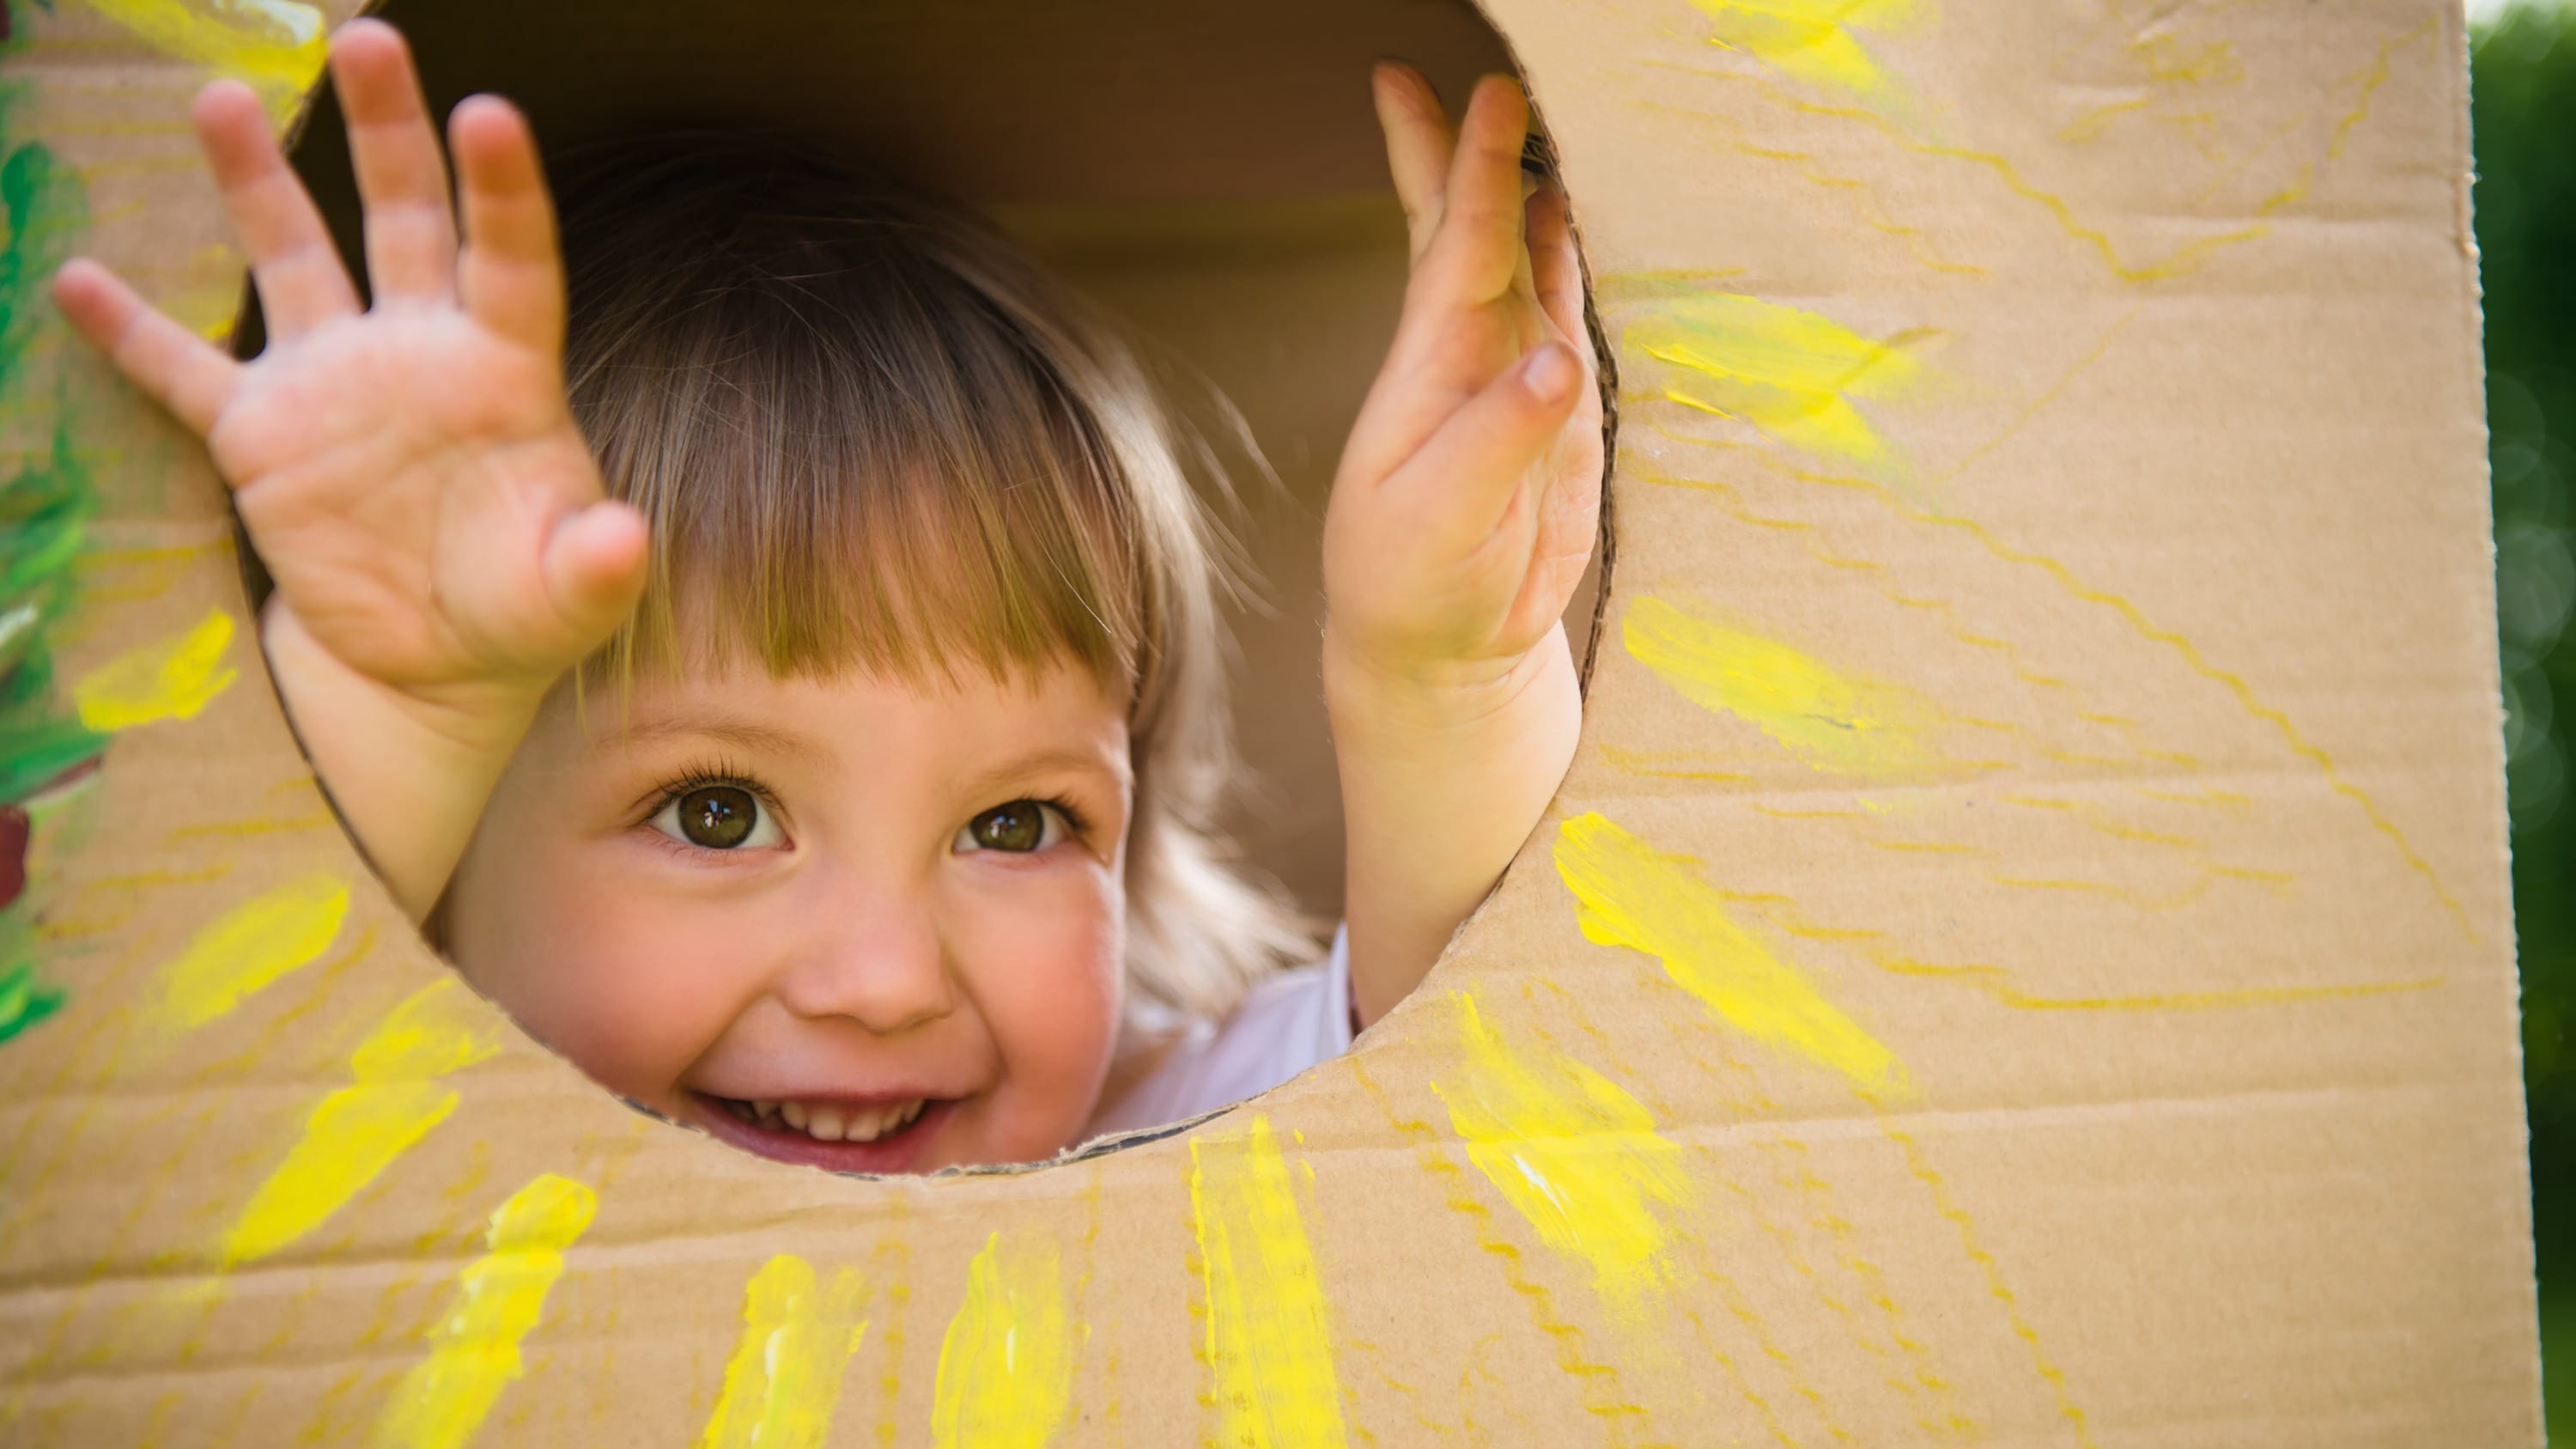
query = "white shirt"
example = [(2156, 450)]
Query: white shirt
[(1288, 1023)]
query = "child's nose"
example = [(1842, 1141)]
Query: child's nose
[(881, 965)]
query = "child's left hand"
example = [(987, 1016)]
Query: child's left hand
[(1464, 509), (1462, 517)]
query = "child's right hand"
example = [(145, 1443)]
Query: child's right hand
[(411, 474)]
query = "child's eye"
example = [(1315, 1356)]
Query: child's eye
[(1020, 827), (718, 817)]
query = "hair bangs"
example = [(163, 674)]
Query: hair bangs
[(851, 456)]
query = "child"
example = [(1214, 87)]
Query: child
[(873, 558)]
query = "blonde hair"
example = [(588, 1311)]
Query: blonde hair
[(870, 433)]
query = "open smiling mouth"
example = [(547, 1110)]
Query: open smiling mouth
[(877, 1135)]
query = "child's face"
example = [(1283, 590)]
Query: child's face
[(787, 911)]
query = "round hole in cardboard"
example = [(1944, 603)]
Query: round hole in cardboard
[(1236, 218)]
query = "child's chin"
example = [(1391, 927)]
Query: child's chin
[(909, 1148)]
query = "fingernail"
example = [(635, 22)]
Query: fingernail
[(1551, 372)]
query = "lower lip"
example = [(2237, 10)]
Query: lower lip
[(895, 1152)]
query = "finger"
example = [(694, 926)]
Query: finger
[(1418, 144), (173, 366), (1479, 242), (402, 178), (511, 274), (1522, 283), (594, 569), (1466, 474), (301, 281), (1556, 269)]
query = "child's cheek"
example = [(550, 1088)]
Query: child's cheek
[(1041, 959), (630, 985)]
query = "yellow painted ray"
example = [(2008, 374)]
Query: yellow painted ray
[(1633, 895), (277, 47), (784, 1380), (358, 1131), (1834, 720), (499, 1298), (169, 678), (1268, 1345), (1569, 1150), (1790, 373), (248, 949), (1813, 40), (1006, 1365)]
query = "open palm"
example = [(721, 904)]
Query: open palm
[(1469, 493), (411, 473)]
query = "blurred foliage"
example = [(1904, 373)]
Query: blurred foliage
[(2522, 109)]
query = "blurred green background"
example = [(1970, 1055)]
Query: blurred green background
[(2522, 107)]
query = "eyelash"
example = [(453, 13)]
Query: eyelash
[(699, 777), (1073, 816)]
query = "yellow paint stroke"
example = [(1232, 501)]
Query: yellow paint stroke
[(890, 1263), (1998, 983), (2368, 81), (784, 1380), (136, 575), (1920, 1164), (1595, 1379), (266, 1045), (1839, 722), (2047, 396), (1614, 289), (474, 1345), (170, 679), (1570, 1151), (1740, 1084), (2075, 586), (277, 47), (248, 949), (1790, 373), (1634, 896), (1783, 915), (246, 829), (2188, 257), (1879, 575), (358, 1131), (1866, 203), (1663, 767), (1268, 1344), (1006, 1366), (1813, 40), (2097, 119)]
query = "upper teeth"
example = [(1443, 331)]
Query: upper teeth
[(829, 1121)]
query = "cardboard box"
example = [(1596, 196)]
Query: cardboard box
[(2023, 957)]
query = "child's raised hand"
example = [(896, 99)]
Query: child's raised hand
[(1468, 495), (1462, 516), (411, 473)]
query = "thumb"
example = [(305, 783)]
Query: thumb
[(594, 568), (1458, 484)]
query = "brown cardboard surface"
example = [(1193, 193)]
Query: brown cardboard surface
[(2022, 957)]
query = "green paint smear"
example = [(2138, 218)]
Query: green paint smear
[(45, 511), (25, 1000)]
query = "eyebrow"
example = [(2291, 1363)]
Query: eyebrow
[(1089, 762), (750, 735), (742, 734)]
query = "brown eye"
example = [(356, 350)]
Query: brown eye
[(717, 817), (1019, 827)]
